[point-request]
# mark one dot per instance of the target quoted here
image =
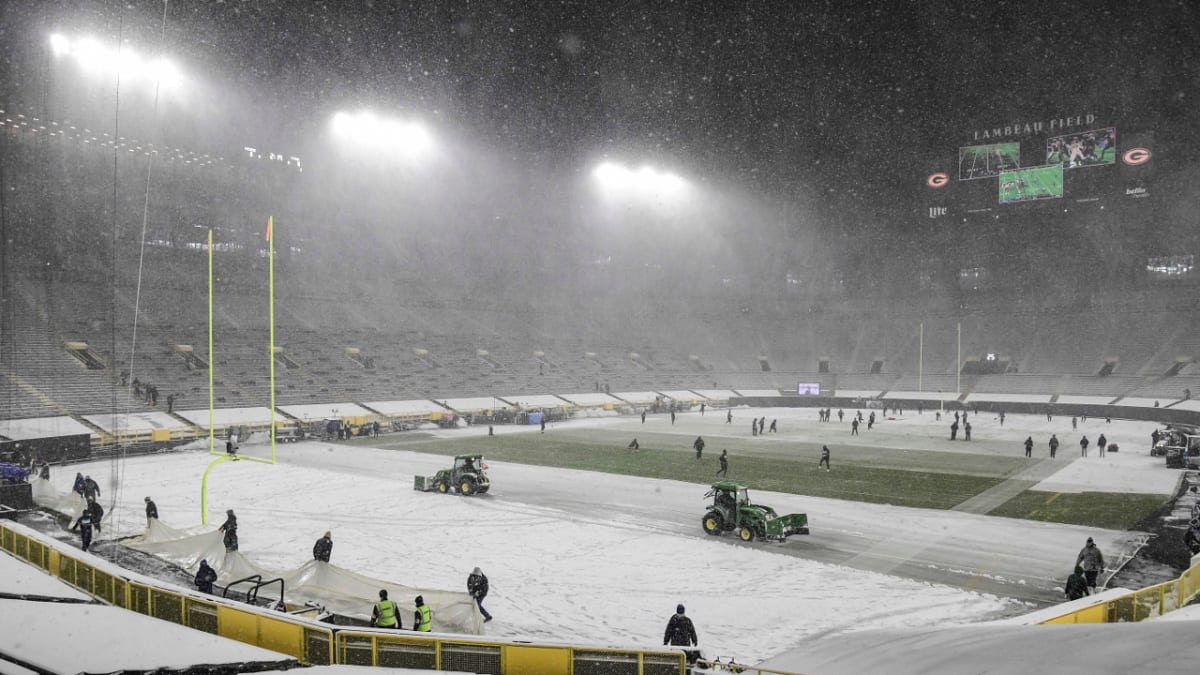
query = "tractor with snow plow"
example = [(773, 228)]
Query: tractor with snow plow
[(732, 511), (468, 476)]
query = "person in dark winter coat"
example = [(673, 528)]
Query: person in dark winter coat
[(1053, 445), (90, 489), (824, 457), (77, 488), (97, 512), (698, 444), (477, 586), (1092, 562), (84, 525), (1029, 446), (724, 459), (151, 511), (323, 548), (1077, 585), (205, 578), (681, 633), (229, 527)]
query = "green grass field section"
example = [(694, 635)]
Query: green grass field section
[(904, 478), (1095, 509)]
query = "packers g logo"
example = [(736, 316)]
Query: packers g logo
[(1136, 156), (937, 180)]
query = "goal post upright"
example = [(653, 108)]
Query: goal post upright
[(211, 360), (271, 321)]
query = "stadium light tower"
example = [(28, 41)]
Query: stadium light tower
[(382, 136), (95, 57)]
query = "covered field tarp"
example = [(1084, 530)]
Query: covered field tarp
[(339, 590)]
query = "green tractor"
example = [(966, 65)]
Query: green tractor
[(468, 477), (731, 511)]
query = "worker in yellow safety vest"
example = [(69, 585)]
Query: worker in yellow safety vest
[(385, 614), (423, 617)]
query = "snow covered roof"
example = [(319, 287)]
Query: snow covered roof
[(1083, 649), (723, 394), (1137, 402), (591, 399), (637, 397), (989, 397), (712, 393), (320, 411), (41, 427), (1084, 400), (857, 393), (535, 400), (223, 417), (136, 422), (401, 408)]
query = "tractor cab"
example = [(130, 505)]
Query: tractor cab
[(468, 476), (727, 497)]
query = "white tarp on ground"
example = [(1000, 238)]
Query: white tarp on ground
[(41, 427), (590, 399), (404, 408), (224, 417), (338, 590), (139, 422)]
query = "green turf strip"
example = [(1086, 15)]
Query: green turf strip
[(1110, 510), (849, 479), (923, 479)]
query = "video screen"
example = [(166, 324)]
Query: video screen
[(986, 161), (1085, 148), (809, 389), (1028, 185)]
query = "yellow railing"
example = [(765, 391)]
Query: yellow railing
[(315, 643), (1148, 602)]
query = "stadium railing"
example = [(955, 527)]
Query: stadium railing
[(1140, 605), (316, 643)]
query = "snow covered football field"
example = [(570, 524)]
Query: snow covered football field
[(597, 558)]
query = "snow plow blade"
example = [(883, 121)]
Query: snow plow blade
[(785, 526), (424, 483)]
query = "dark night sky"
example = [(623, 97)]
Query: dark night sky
[(836, 99)]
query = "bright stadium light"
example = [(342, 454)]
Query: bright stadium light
[(644, 183), (382, 135), (96, 57), (59, 44)]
